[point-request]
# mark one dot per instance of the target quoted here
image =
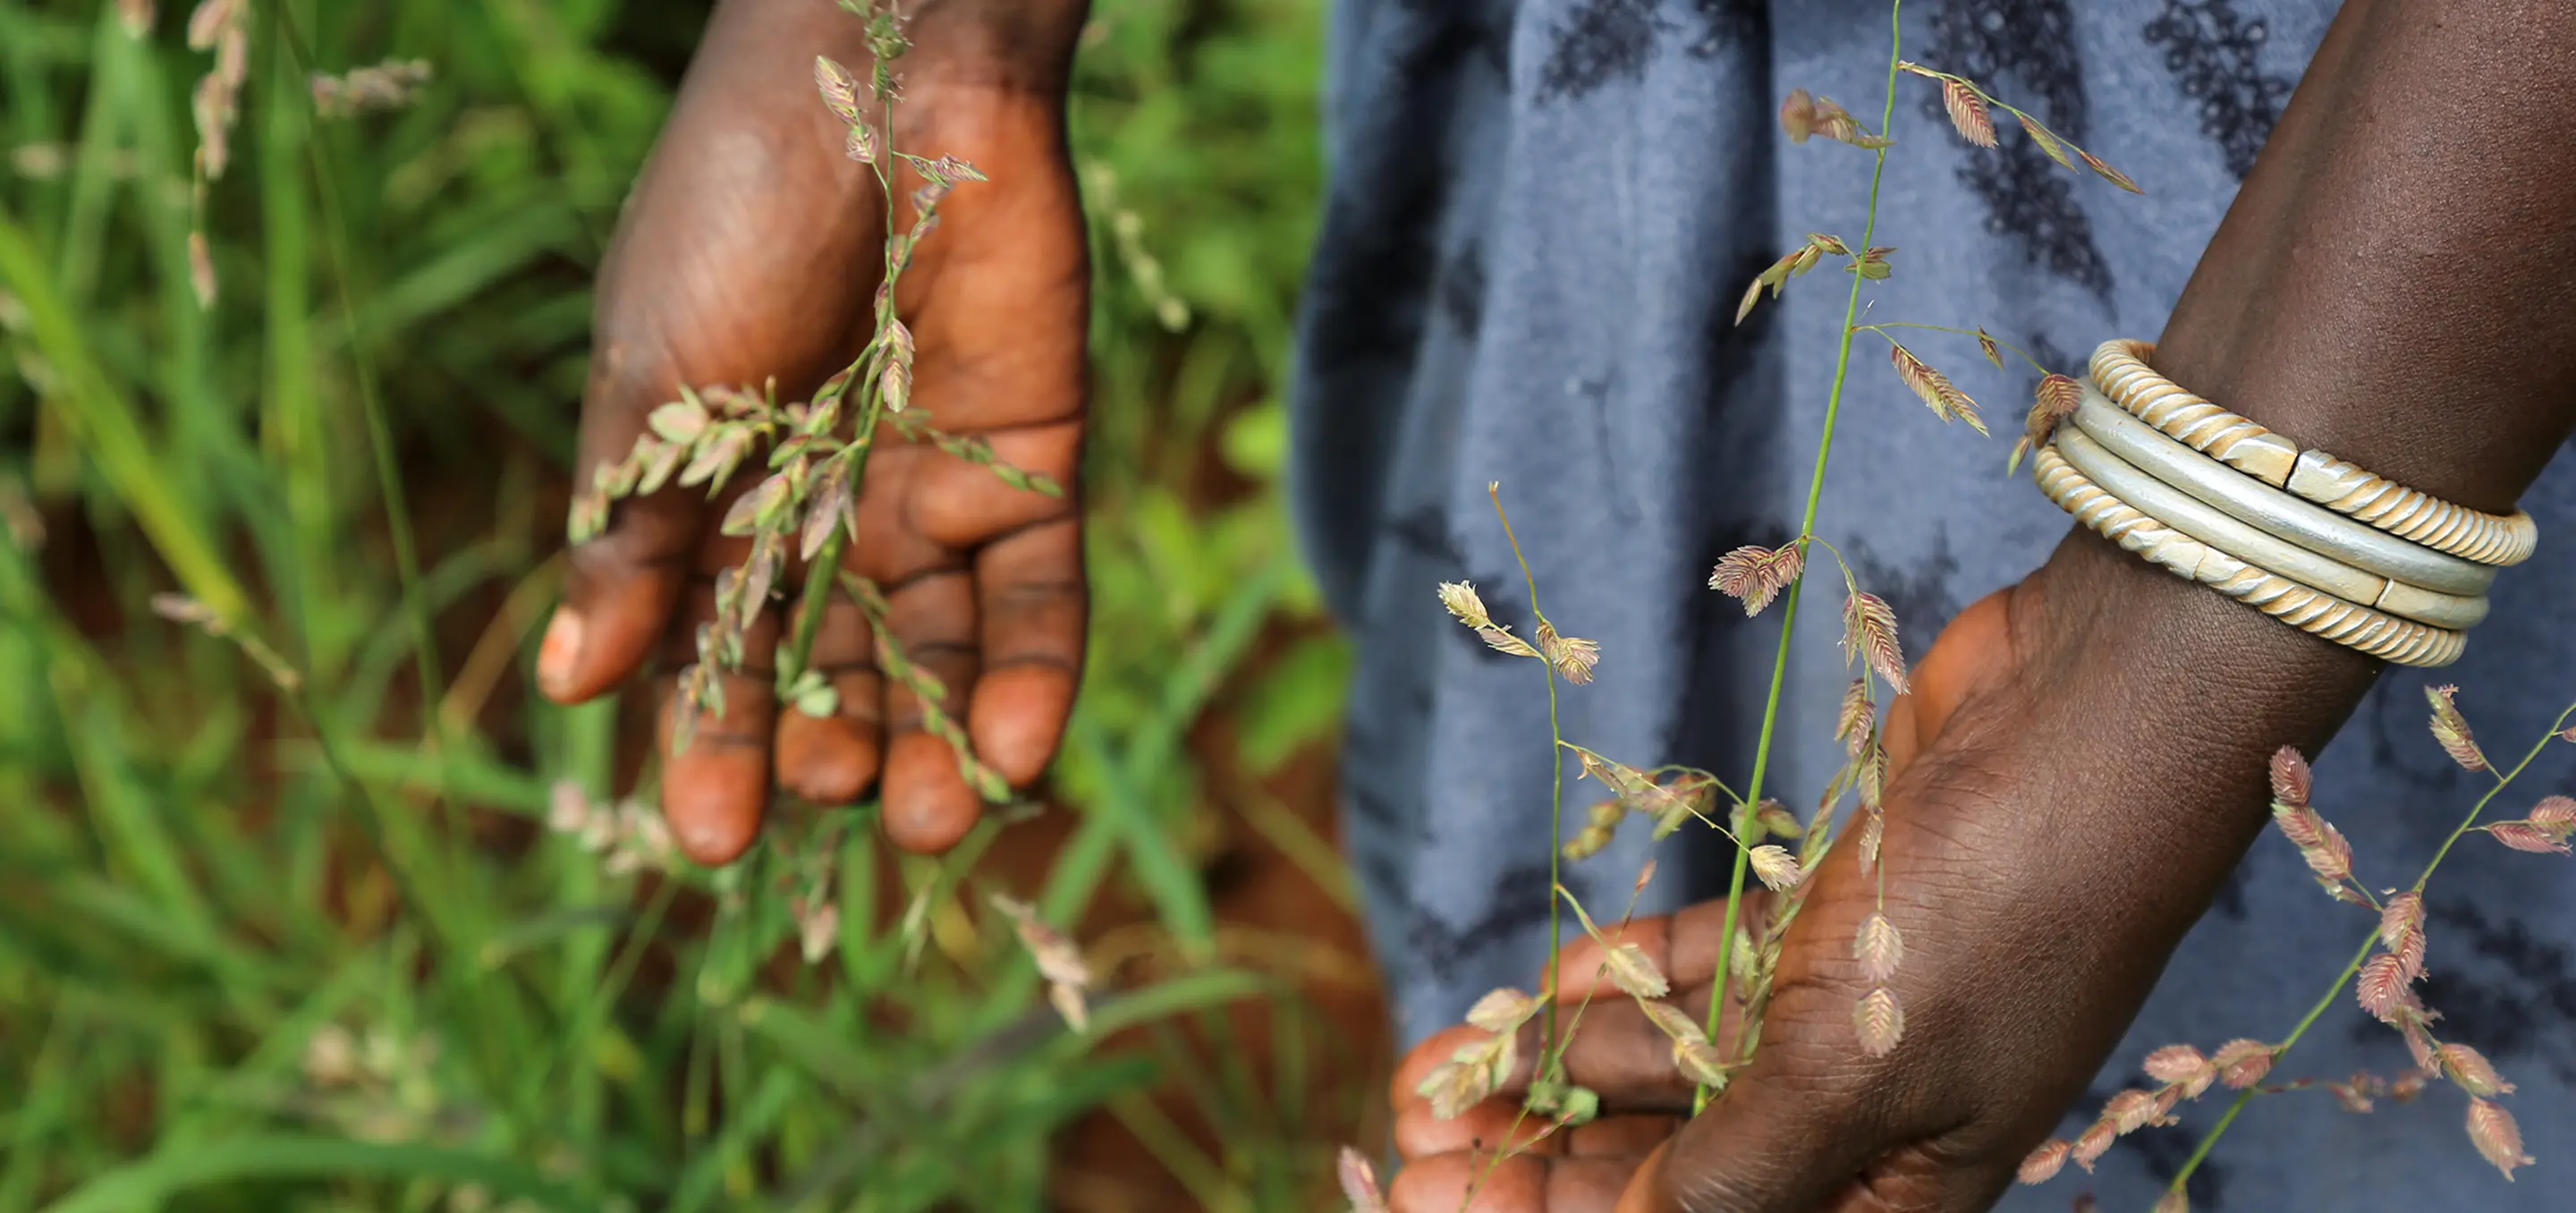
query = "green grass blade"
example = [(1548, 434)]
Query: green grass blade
[(169, 1173)]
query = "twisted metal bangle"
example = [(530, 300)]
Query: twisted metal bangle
[(2376, 569), (2120, 367), (2316, 613)]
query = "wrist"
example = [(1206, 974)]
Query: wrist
[(2173, 691), (1014, 46)]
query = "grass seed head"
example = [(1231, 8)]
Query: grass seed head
[(1755, 575), (1968, 113), (2472, 1071), (2043, 1164), (1359, 1182), (1880, 1020), (1869, 630), (1879, 948), (2498, 1139), (2452, 729)]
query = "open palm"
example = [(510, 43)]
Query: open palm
[(752, 248)]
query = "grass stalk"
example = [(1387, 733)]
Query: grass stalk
[(1806, 532)]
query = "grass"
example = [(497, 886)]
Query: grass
[(317, 951)]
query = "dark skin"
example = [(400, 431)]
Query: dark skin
[(2391, 285), (751, 248)]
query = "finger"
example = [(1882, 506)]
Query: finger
[(831, 759), (1033, 604), (1622, 1136), (1501, 1123), (715, 790), (1494, 1124), (1682, 946), (1526, 1183), (961, 504), (620, 585), (1644, 1193), (928, 804), (1612, 1048), (976, 375)]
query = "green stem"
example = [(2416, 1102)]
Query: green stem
[(1806, 531), (2210, 1140), (1556, 804), (380, 440), (818, 588)]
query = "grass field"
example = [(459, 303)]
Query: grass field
[(316, 949)]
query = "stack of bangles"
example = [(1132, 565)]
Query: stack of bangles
[(2299, 535)]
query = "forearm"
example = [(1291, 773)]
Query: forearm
[(2391, 285)]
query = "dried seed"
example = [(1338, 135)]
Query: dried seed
[(1942, 396), (1880, 1020), (1778, 869), (839, 89), (1755, 575), (2242, 1063), (2110, 174), (1634, 974), (2291, 782), (1502, 1010), (2049, 145), (1879, 948), (2471, 1069), (1673, 1022), (2452, 729), (1858, 717), (1968, 113), (2043, 1164), (1869, 629), (1798, 115), (1572, 656), (2182, 1066), (1698, 1062), (1463, 603), (2497, 1137), (2401, 931), (2381, 987)]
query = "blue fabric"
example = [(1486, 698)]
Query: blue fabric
[(1540, 217)]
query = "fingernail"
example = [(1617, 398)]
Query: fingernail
[(561, 647)]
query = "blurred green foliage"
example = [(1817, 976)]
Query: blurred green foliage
[(314, 950)]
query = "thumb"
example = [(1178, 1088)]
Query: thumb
[(1797, 1129), (1640, 1196), (1771, 1144), (622, 582), (1973, 651)]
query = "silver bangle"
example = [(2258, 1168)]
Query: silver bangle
[(2373, 632), (2120, 367), (2370, 553), (2251, 545)]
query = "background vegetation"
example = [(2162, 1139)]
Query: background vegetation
[(316, 949)]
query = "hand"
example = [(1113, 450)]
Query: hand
[(752, 248), (1612, 1050), (1615, 1051), (2041, 861)]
